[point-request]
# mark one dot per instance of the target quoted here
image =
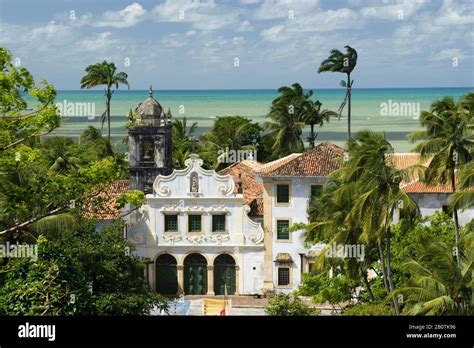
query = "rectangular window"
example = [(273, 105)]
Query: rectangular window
[(171, 223), (194, 223), (218, 223), (316, 191), (283, 276), (283, 193), (282, 229)]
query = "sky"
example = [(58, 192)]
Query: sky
[(243, 44)]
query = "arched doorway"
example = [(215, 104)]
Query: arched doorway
[(224, 275), (166, 275), (195, 275)]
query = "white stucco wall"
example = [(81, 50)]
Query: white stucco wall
[(296, 212), (430, 203), (243, 238)]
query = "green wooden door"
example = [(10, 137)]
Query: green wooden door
[(166, 275), (195, 275), (224, 275)]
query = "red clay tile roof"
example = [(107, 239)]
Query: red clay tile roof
[(320, 161), (106, 202), (251, 189), (405, 160), (270, 166), (420, 187)]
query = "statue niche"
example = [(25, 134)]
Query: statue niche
[(194, 183)]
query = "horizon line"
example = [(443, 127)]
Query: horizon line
[(262, 89)]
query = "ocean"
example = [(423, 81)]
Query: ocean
[(394, 111)]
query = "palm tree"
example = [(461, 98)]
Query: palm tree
[(228, 133), (182, 135), (342, 63), (59, 156), (311, 114), (181, 132), (374, 185), (104, 73), (439, 283), (285, 126), (449, 139), (464, 198)]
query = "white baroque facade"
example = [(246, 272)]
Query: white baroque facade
[(196, 233)]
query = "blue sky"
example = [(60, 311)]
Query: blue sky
[(192, 44)]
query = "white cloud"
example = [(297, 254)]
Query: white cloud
[(449, 54), (125, 18), (455, 14), (392, 12), (244, 26), (238, 40), (275, 9), (204, 15), (271, 34), (100, 42)]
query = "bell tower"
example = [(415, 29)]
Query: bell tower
[(149, 144)]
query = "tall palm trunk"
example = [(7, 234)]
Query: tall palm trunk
[(369, 289), (382, 261), (109, 96), (311, 142), (456, 218), (349, 92), (396, 305)]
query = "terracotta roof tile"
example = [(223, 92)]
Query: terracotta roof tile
[(270, 166), (251, 189), (420, 187), (320, 161), (106, 201)]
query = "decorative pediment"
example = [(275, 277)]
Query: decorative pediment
[(194, 181), (253, 230)]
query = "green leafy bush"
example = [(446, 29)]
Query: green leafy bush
[(288, 305)]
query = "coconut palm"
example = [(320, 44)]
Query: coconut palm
[(104, 73), (439, 284), (285, 126), (464, 198), (374, 185), (449, 139), (342, 63), (311, 114), (59, 156), (182, 135)]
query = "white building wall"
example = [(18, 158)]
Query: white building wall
[(430, 203), (296, 212), (243, 238)]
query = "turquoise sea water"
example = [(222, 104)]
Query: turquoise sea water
[(204, 105)]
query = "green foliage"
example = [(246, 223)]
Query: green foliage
[(323, 288), (407, 238), (378, 309), (285, 126), (17, 123), (438, 285), (82, 273), (289, 305), (182, 140), (232, 132), (135, 197)]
